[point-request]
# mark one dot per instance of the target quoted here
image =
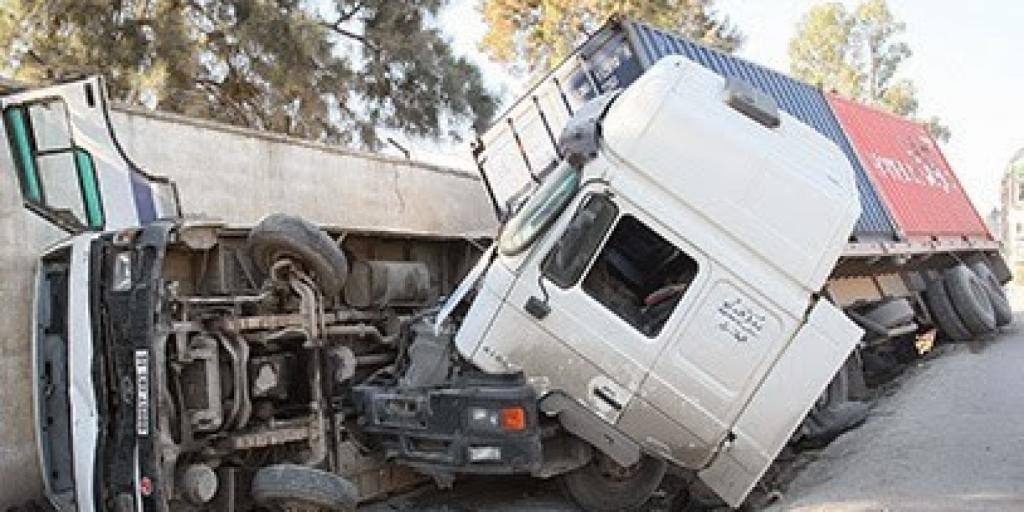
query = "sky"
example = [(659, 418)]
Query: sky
[(966, 63)]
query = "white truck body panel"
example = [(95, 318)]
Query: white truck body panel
[(770, 417), (787, 193)]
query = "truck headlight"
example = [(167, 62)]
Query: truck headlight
[(484, 419), (509, 419), (121, 277)]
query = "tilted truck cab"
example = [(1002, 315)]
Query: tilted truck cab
[(674, 292), (653, 300)]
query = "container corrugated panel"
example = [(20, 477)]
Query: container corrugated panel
[(800, 100), (910, 173)]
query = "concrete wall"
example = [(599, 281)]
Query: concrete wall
[(240, 175), (235, 175)]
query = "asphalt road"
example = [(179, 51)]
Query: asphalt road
[(948, 434), (949, 437)]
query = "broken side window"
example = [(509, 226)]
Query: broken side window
[(640, 276)]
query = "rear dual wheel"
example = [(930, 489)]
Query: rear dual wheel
[(968, 302), (943, 313), (1000, 303), (971, 300)]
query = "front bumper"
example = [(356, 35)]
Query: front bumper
[(431, 428), (129, 374)]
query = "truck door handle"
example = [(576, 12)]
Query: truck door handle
[(607, 398)]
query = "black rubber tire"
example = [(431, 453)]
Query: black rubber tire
[(1001, 304), (594, 491), (943, 314), (284, 236), (970, 298), (288, 485)]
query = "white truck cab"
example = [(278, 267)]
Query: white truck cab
[(669, 284), (653, 299)]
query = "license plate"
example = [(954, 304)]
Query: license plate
[(142, 392)]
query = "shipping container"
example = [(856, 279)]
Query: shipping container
[(910, 173), (613, 58)]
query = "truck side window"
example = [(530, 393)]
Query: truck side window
[(569, 257), (57, 178), (640, 276)]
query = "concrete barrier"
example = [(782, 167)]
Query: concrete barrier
[(232, 174)]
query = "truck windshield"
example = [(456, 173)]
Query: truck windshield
[(539, 210)]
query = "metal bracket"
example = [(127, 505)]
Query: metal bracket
[(580, 138)]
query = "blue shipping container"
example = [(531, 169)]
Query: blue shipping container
[(613, 58)]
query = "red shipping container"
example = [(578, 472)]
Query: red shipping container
[(913, 178)]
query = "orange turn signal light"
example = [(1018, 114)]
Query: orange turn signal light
[(513, 419)]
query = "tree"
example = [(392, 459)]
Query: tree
[(329, 70), (858, 55), (532, 35)]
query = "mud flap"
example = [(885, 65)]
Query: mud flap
[(777, 408)]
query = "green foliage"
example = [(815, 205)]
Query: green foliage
[(334, 71), (858, 55), (533, 35)]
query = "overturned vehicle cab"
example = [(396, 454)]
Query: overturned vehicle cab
[(202, 366), (651, 300)]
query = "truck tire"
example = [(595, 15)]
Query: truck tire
[(604, 486), (834, 412), (1001, 305), (943, 314), (970, 298), (293, 487), (280, 236)]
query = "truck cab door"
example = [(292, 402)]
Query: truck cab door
[(71, 168), (781, 402), (590, 293)]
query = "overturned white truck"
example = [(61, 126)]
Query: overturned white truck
[(655, 298)]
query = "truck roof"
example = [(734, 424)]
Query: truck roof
[(784, 192)]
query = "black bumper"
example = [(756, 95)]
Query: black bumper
[(430, 428), (127, 367)]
